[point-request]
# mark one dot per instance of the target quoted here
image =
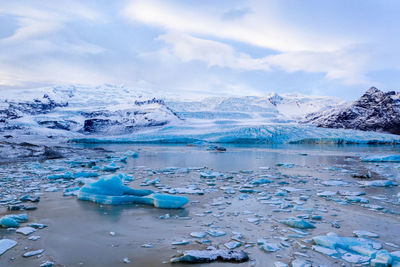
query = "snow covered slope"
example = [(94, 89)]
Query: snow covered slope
[(374, 111)]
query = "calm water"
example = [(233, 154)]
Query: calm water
[(79, 232)]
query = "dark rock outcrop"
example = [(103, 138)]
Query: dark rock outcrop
[(373, 111)]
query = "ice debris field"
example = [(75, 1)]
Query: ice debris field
[(125, 205)]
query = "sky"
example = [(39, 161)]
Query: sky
[(225, 47)]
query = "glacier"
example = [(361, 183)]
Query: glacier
[(116, 114)]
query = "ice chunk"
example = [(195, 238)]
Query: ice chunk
[(261, 181), (66, 175), (202, 256), (387, 158), (362, 233), (47, 264), (111, 168), (6, 244), (216, 233), (181, 242), (33, 253), (334, 183), (111, 190), (301, 263), (280, 264), (377, 183), (26, 230), (354, 250), (327, 194), (13, 220), (132, 154), (198, 234), (232, 244), (297, 223), (34, 237)]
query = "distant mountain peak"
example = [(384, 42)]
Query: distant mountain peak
[(375, 110)]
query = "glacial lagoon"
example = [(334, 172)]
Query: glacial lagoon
[(240, 199)]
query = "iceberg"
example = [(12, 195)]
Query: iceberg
[(13, 220), (110, 190)]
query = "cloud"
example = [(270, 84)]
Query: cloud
[(344, 64), (213, 53), (260, 27)]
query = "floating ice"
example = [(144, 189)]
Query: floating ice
[(111, 168), (6, 244), (33, 253), (334, 183), (301, 263), (377, 183), (232, 244), (110, 190), (216, 233), (260, 181), (26, 230), (201, 256), (362, 233), (211, 175), (66, 175), (198, 234), (268, 246), (297, 223), (382, 158), (181, 242), (13, 220), (354, 250), (47, 264)]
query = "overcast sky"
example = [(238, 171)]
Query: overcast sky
[(224, 47)]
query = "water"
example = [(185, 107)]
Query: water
[(78, 233)]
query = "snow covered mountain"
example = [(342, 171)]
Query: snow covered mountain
[(374, 111), (271, 108), (110, 113), (100, 110)]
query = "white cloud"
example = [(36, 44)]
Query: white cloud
[(345, 65), (214, 53), (260, 27)]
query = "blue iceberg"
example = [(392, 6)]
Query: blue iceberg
[(110, 190), (13, 220)]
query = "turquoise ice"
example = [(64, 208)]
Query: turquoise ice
[(110, 190)]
